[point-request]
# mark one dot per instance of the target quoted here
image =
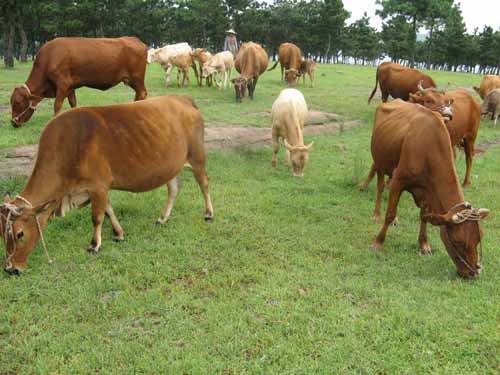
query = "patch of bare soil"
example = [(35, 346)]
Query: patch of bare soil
[(18, 161), (481, 148)]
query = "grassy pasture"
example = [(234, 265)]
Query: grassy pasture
[(282, 282)]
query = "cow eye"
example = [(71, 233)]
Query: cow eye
[(20, 235)]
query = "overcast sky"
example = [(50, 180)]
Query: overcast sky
[(476, 13)]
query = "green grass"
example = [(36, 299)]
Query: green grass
[(282, 282)]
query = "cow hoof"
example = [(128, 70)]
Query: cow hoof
[(395, 222), (376, 246), (376, 218), (92, 249), (425, 250), (118, 238), (209, 219), (161, 221)]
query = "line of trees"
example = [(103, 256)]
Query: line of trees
[(317, 26)]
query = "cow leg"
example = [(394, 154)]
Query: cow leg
[(174, 186), (392, 208), (469, 154), (137, 83), (72, 99), (423, 242), (275, 146), (366, 182), (99, 202), (118, 233), (282, 73), (378, 200), (195, 74), (385, 95), (311, 77), (186, 77), (229, 78), (168, 71), (62, 93), (497, 114), (251, 88), (197, 161)]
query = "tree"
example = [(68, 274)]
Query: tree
[(414, 11)]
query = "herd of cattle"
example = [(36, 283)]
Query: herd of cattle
[(139, 146)]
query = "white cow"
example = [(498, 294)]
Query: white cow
[(221, 63), (289, 114), (164, 54)]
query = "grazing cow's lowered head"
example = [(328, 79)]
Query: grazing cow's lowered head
[(491, 104), (153, 55), (207, 70), (461, 235), (23, 105), (20, 230), (291, 76), (435, 100), (299, 155), (240, 87)]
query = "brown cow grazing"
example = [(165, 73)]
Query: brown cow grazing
[(307, 67), (85, 152), (65, 64), (184, 61), (464, 125), (251, 62), (202, 56), (399, 81), (290, 59), (489, 83), (491, 104), (411, 145)]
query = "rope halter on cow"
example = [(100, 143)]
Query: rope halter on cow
[(13, 212), (468, 213), (30, 104)]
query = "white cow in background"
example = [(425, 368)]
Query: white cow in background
[(289, 113), (164, 54), (221, 64)]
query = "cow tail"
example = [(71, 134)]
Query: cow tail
[(375, 88), (274, 66)]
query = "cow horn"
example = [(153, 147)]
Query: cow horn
[(420, 87), (309, 146), (287, 145)]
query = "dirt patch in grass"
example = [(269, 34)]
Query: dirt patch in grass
[(18, 161)]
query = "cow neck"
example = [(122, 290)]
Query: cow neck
[(445, 189), (37, 83), (296, 138), (41, 187)]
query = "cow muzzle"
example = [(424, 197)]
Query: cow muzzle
[(447, 113), (13, 271)]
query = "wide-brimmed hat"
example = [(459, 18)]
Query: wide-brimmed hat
[(231, 31)]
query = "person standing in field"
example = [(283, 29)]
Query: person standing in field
[(231, 43)]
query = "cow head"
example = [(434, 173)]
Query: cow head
[(299, 155), (207, 70), (435, 100), (19, 232), (23, 104), (153, 55), (240, 87), (461, 235), (291, 76)]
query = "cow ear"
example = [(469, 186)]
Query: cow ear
[(414, 98), (43, 207), (476, 89), (435, 219), (483, 212), (7, 198)]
